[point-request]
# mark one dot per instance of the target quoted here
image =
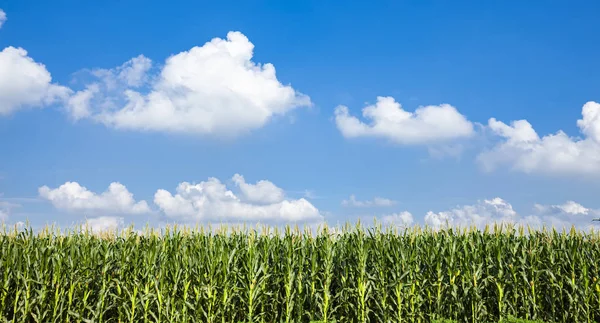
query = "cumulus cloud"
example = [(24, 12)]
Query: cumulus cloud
[(564, 216), (571, 207), (6, 208), (377, 201), (263, 191), (484, 212), (522, 149), (211, 201), (2, 17), (133, 73), (103, 224), (26, 83), (78, 105), (215, 89), (73, 197), (426, 125), (497, 210), (402, 219)]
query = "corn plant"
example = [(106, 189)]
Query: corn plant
[(357, 274)]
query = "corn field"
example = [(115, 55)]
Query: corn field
[(348, 275)]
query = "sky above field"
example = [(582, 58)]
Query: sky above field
[(426, 113)]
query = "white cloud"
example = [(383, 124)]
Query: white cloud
[(497, 210), (74, 197), (402, 219), (573, 208), (484, 212), (215, 89), (564, 216), (428, 124), (263, 192), (26, 83), (2, 17), (523, 150), (310, 194), (377, 201), (133, 73), (211, 201), (78, 104), (103, 224), (6, 208)]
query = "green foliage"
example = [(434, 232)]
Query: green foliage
[(352, 275), (517, 320), (507, 320)]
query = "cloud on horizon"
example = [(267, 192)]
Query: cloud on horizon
[(522, 149), (376, 202)]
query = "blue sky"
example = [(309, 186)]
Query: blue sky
[(513, 60)]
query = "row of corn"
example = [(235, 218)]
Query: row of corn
[(351, 274)]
